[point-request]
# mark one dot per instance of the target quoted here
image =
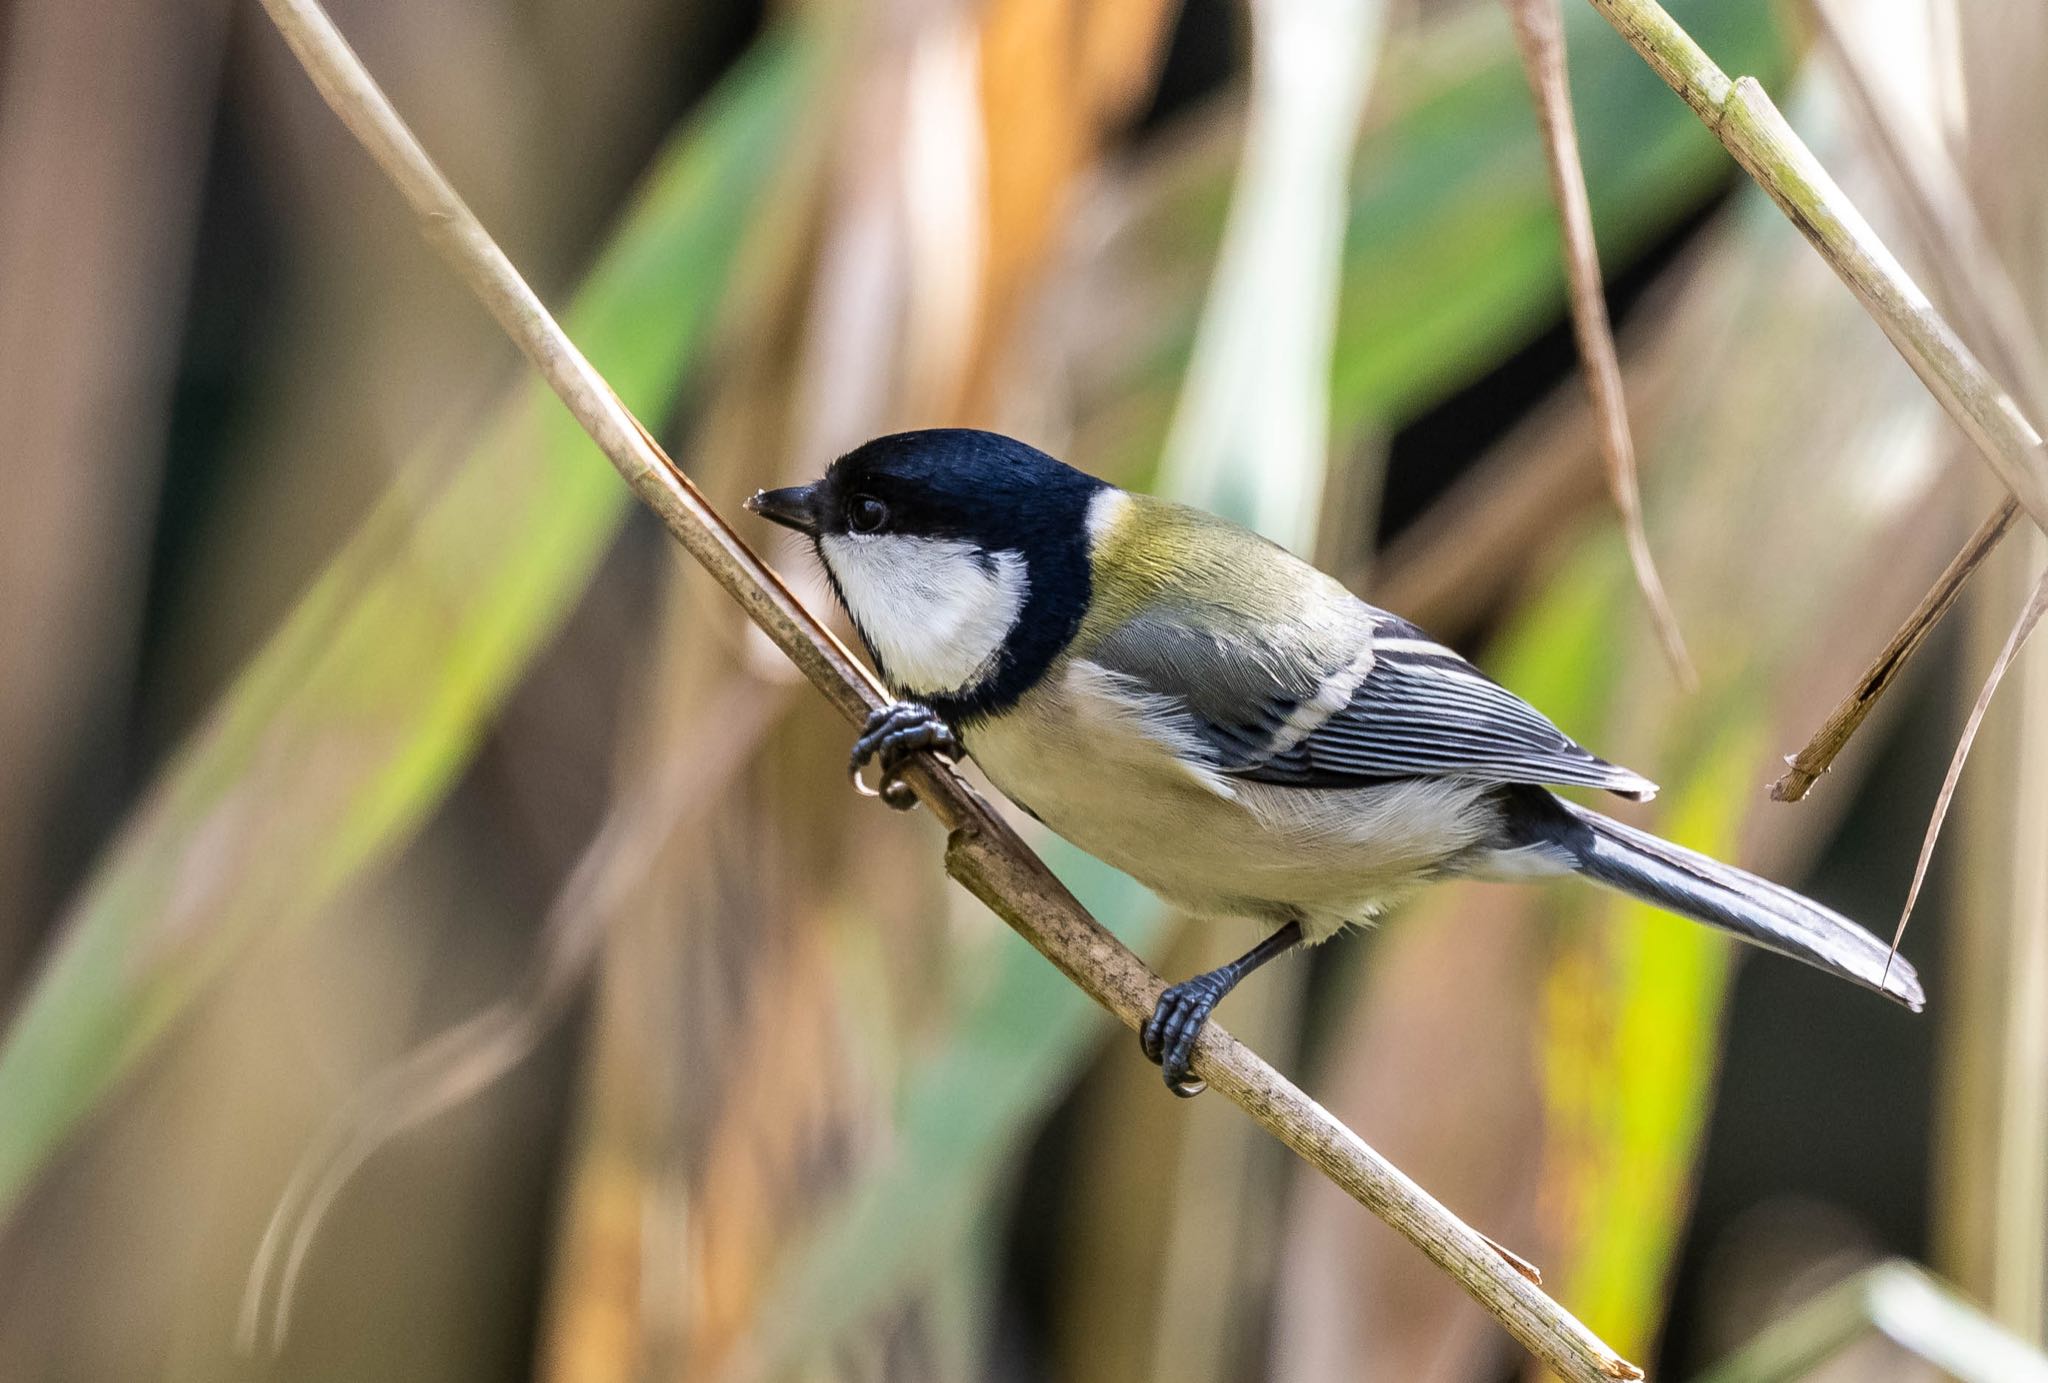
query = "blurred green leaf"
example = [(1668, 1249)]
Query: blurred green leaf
[(1900, 1301), (344, 732), (1451, 270)]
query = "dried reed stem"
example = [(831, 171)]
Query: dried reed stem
[(982, 852), (1742, 117), (1805, 768), (1539, 36)]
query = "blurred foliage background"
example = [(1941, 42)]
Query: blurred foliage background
[(401, 849)]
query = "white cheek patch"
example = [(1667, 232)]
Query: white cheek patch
[(937, 610)]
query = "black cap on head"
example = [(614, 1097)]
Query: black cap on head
[(961, 483)]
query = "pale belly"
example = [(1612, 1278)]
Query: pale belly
[(1098, 770)]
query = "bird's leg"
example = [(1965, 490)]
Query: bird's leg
[(892, 734), (1168, 1036)]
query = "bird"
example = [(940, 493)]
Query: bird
[(1198, 707)]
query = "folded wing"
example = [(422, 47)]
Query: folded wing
[(1394, 704)]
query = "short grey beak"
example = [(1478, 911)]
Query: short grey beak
[(796, 507)]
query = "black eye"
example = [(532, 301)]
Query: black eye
[(866, 514)]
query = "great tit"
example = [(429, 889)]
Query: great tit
[(1201, 709)]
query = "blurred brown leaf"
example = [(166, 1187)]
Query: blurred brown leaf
[(1056, 77)]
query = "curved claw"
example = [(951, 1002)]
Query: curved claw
[(893, 733), (1168, 1036)]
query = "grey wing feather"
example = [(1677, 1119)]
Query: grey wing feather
[(1249, 685), (1424, 711), (1313, 717), (1236, 682)]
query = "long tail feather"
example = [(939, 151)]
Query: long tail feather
[(1757, 910)]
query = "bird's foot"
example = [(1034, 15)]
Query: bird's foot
[(1168, 1036), (892, 735)]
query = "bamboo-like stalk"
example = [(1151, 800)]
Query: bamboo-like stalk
[(982, 853), (1742, 117), (1954, 247)]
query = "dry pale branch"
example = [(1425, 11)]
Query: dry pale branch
[(982, 853), (1742, 117), (1539, 35), (1974, 287)]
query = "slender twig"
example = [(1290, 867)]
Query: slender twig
[(982, 853), (1833, 736), (1741, 115), (1539, 35)]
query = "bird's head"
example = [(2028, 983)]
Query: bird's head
[(962, 557)]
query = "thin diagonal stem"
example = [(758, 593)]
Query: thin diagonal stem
[(1805, 768), (1539, 35)]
